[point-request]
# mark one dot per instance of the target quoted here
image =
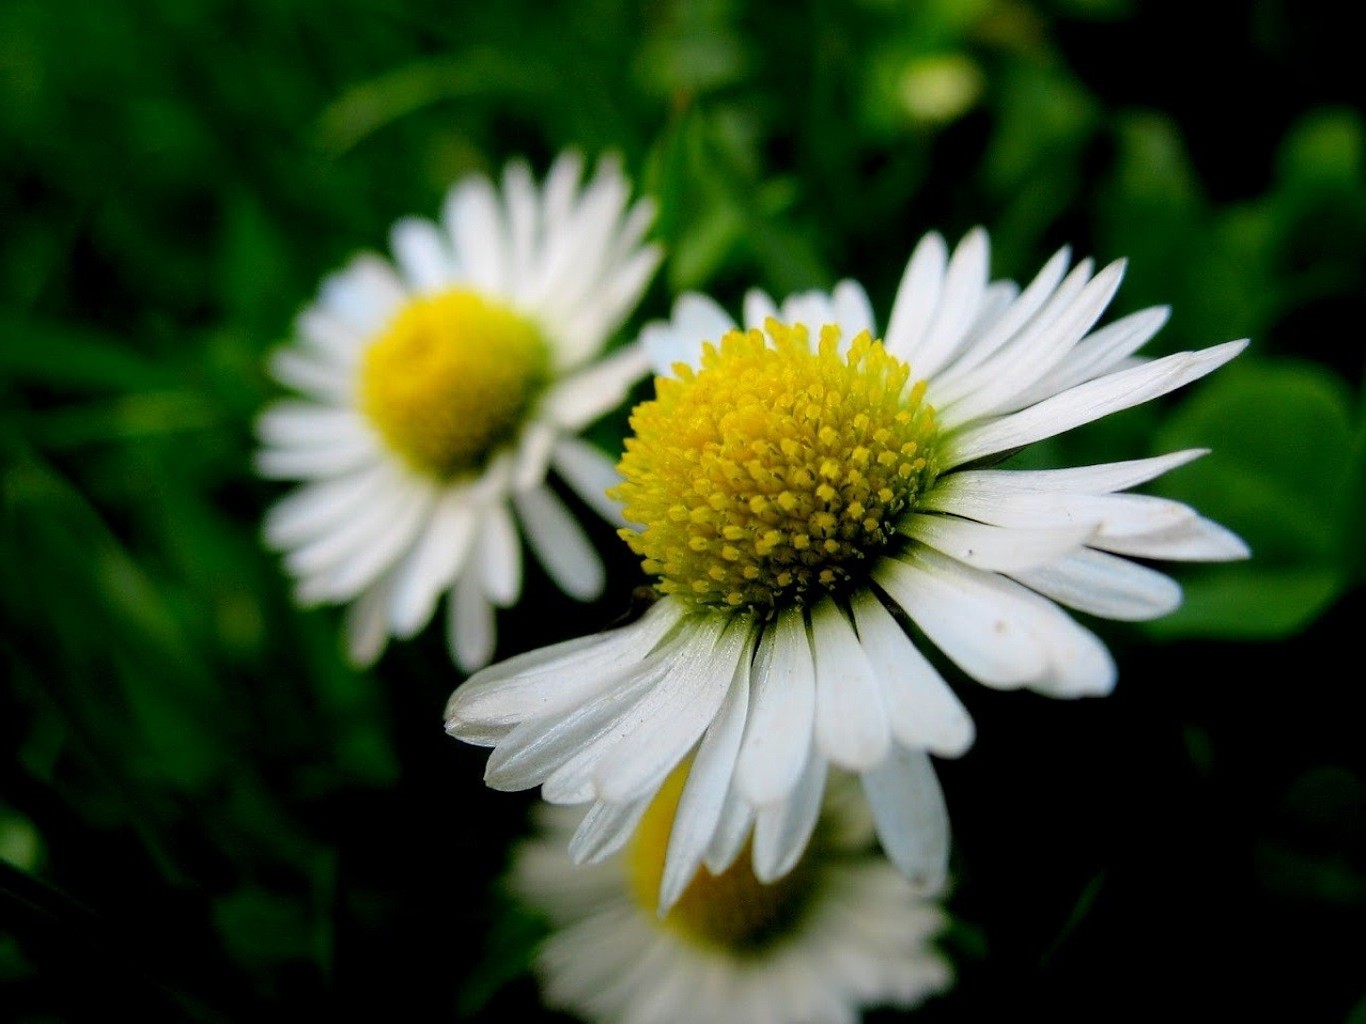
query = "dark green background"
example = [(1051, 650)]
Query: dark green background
[(204, 814)]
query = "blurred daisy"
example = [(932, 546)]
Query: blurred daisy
[(437, 394), (802, 492), (841, 932)]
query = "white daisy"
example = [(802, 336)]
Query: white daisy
[(841, 932), (801, 501), (438, 393)]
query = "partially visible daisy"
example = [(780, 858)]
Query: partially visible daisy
[(843, 931), (438, 392), (817, 506)]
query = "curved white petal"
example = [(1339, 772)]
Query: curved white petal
[(422, 254), (922, 711), (560, 544), (1084, 403), (1104, 585), (969, 615), (433, 562), (576, 401), (851, 727), (471, 632), (995, 548), (549, 681), (965, 282), (590, 473), (911, 818), (782, 709), (917, 297), (660, 731), (988, 337), (782, 830), (1192, 540), (499, 556), (473, 216), (704, 794), (605, 829)]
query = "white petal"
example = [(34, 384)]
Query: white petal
[(365, 629), (522, 210), (317, 375), (551, 680), (385, 549), (965, 282), (576, 401), (992, 547), (579, 738), (759, 307), (422, 254), (365, 530), (560, 189), (603, 310), (704, 794), (1103, 585), (300, 424), (364, 295), (853, 311), (921, 709), (471, 632), (317, 508), (1043, 344), (327, 334), (980, 496), (811, 308), (347, 455), (434, 561), (531, 458), (1099, 479), (1086, 402), (696, 319), (968, 614), (782, 830), (916, 298), (474, 218), (659, 731), (605, 830), (989, 338), (499, 556), (782, 708), (590, 474), (560, 544), (851, 728), (912, 821), (1193, 540), (731, 832), (1098, 353)]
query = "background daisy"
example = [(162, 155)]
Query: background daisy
[(841, 933), (437, 395), (793, 496)]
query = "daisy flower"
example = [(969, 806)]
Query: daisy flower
[(438, 392), (820, 509), (841, 932)]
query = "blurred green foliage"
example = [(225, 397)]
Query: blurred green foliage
[(205, 814)]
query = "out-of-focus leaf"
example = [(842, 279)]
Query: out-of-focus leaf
[(266, 929), (365, 108), (1282, 444), (69, 358)]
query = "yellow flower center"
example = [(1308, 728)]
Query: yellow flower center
[(733, 910), (449, 378), (771, 474)]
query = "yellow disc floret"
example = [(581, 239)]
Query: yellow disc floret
[(449, 378), (732, 910), (769, 476)]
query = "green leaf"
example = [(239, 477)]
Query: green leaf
[(70, 358), (1282, 443)]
